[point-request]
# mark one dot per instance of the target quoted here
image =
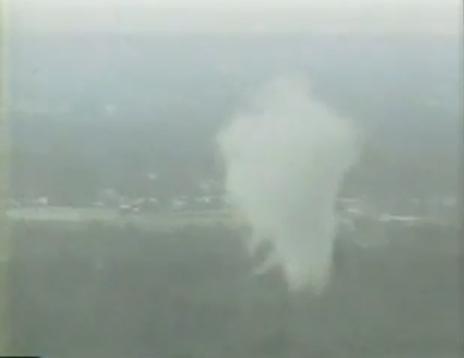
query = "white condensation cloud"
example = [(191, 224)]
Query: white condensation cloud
[(238, 16)]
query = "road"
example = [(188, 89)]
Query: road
[(160, 219), (176, 219)]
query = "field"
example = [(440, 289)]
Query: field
[(96, 290)]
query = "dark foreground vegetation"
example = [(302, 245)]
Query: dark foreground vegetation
[(99, 291)]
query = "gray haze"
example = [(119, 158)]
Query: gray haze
[(155, 103), (151, 139)]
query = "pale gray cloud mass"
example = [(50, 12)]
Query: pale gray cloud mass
[(238, 16)]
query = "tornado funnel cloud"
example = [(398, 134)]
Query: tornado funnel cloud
[(285, 158)]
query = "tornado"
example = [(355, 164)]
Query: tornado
[(285, 156)]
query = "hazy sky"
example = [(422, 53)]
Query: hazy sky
[(238, 16)]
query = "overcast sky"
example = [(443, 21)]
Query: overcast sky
[(238, 16)]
